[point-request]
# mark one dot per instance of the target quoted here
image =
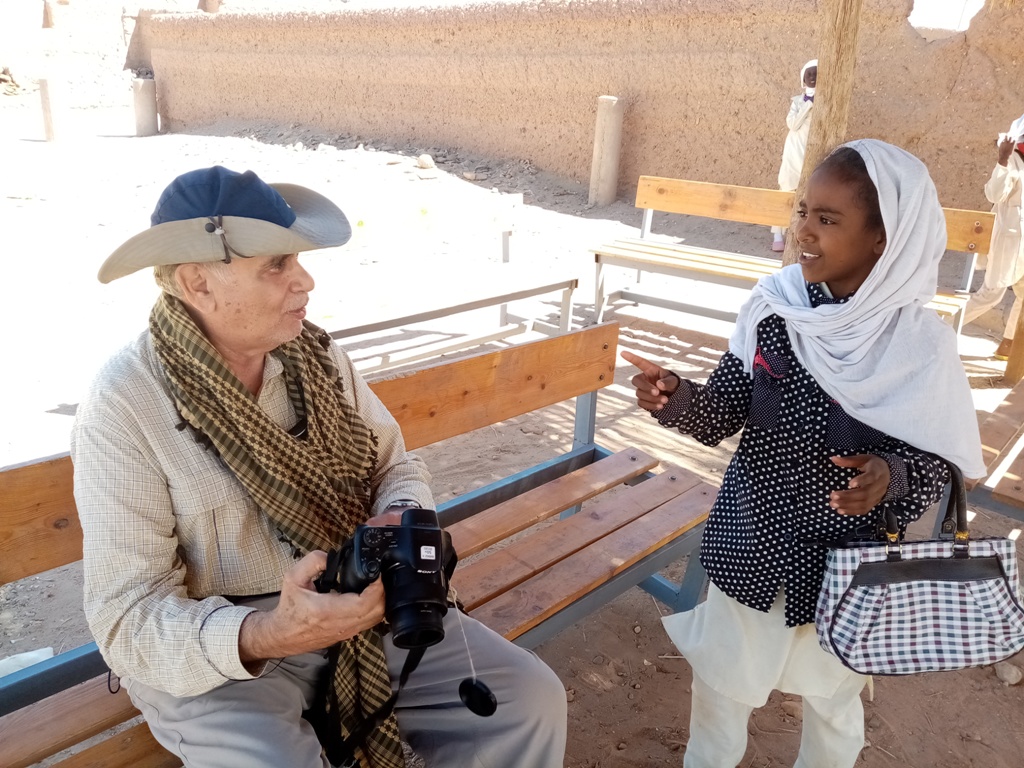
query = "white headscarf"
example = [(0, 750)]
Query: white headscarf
[(887, 360), (1016, 131), (803, 71)]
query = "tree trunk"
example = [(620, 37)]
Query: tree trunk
[(837, 59)]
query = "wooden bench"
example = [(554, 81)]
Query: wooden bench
[(1002, 441), (558, 567), (969, 231), (376, 311)]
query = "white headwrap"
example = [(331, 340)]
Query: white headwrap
[(803, 71), (1016, 131), (887, 360)]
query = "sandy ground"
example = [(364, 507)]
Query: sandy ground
[(65, 205)]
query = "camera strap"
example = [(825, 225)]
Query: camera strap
[(341, 753)]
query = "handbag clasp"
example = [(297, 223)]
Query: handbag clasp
[(961, 544), (891, 539)]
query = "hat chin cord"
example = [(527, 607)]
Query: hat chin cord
[(216, 227)]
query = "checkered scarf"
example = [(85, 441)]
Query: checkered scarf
[(315, 489)]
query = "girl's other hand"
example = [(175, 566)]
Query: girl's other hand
[(866, 490), (653, 384)]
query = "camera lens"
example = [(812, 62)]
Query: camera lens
[(416, 625)]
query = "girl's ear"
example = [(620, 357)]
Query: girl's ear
[(880, 242)]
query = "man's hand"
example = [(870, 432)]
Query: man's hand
[(1006, 146), (653, 384), (304, 620), (867, 489)]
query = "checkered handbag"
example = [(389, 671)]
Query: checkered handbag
[(897, 608)]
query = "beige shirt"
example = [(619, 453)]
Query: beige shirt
[(168, 529)]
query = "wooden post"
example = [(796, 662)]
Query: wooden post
[(146, 122), (604, 167), (51, 97), (48, 19), (837, 59)]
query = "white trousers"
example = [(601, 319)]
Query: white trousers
[(832, 735), (738, 656), (986, 297), (258, 723)]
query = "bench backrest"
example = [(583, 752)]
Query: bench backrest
[(39, 527), (969, 231)]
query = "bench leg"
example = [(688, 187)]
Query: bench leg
[(645, 223), (692, 589), (694, 585), (565, 321), (958, 320), (972, 261), (599, 297)]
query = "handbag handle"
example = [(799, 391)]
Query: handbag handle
[(954, 524)]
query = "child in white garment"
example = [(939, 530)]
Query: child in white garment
[(1006, 257), (799, 123), (845, 386)]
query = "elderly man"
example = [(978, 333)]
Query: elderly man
[(216, 458)]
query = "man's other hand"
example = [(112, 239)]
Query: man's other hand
[(305, 620)]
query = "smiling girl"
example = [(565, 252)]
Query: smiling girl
[(844, 385)]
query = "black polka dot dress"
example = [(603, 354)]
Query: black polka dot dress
[(771, 522)]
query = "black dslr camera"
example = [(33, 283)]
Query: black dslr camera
[(415, 560)]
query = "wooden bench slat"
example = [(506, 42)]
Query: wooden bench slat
[(686, 261), (631, 244), (752, 205), (674, 265), (511, 283), (1009, 487), (524, 607), (82, 711), (485, 528), (1002, 427), (969, 231), (725, 263), (39, 526), (133, 747), (499, 571), (682, 260), (447, 399)]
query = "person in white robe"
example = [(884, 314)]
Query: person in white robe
[(799, 123), (1006, 258)]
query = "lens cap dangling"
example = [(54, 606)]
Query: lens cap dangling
[(477, 697)]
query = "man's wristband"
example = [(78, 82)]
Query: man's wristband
[(401, 503)]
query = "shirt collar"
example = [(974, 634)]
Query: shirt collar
[(820, 294)]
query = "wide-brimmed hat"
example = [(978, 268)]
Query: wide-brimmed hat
[(215, 214)]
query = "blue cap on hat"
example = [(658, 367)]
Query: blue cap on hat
[(213, 213), (218, 191)]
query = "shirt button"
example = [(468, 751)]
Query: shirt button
[(787, 537)]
